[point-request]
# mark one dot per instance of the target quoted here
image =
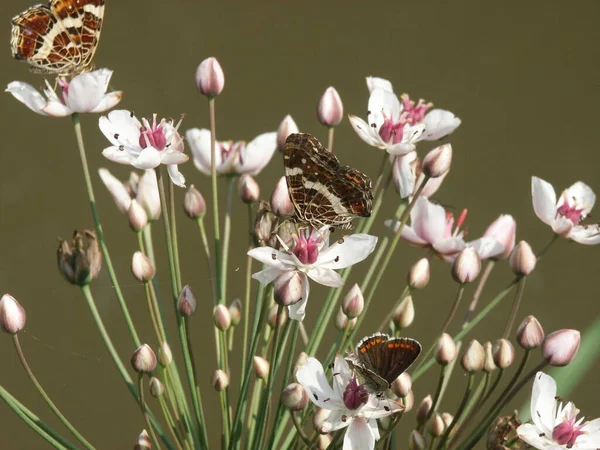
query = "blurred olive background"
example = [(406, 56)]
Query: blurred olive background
[(523, 77)]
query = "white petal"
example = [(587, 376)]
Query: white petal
[(297, 311), (562, 226), (108, 101), (449, 247), (438, 124), (428, 220), (148, 195), (531, 434), (267, 275), (116, 189), (379, 83), (383, 105), (432, 185), (401, 148), (326, 277), (409, 235), (583, 195), (347, 251), (336, 420), (199, 141), (544, 200), (256, 154), (173, 157), (592, 437), (366, 132), (486, 247), (149, 158), (359, 435), (87, 89), (27, 95), (404, 176), (56, 109), (342, 376), (121, 127), (175, 175), (587, 235), (312, 377), (543, 403), (117, 155), (271, 257)]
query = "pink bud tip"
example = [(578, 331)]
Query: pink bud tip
[(12, 315), (330, 110), (209, 77), (559, 348)]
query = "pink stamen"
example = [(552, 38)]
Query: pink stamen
[(307, 249), (566, 432), (355, 395), (154, 135), (64, 86), (412, 113), (571, 212)]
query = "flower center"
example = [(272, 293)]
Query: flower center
[(153, 135), (450, 229), (571, 212), (307, 249), (566, 432), (393, 130), (64, 86), (355, 395)]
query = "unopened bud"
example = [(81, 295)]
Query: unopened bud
[(435, 426), (156, 387), (408, 402), (142, 267), (273, 314), (294, 397), (530, 333), (137, 216), (489, 365), (300, 361), (219, 380), (261, 367), (341, 320), (286, 127), (402, 385), (165, 356), (418, 275), (324, 441), (143, 359), (210, 78), (423, 410), (503, 230), (447, 418), (193, 203), (187, 302), (320, 416), (248, 189), (330, 110), (467, 266), (235, 311), (281, 204), (80, 260), (437, 162), (559, 348), (12, 315), (416, 441), (504, 353), (221, 317), (473, 358), (265, 224), (354, 303), (288, 287), (445, 350), (522, 259), (117, 189), (143, 441), (404, 315), (148, 195)]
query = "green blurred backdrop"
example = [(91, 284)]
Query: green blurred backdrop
[(522, 76)]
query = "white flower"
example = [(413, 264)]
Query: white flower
[(396, 127), (555, 423), (405, 179), (232, 156), (84, 93), (351, 405), (143, 145), (566, 214), (313, 257), (144, 190)]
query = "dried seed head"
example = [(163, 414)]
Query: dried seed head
[(12, 315), (143, 359), (265, 225), (530, 333), (187, 302), (80, 260), (294, 397), (193, 203)]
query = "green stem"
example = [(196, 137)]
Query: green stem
[(515, 307), (459, 412), (215, 197), (330, 134), (477, 294), (246, 308), (227, 236), (172, 217), (169, 418), (143, 408)]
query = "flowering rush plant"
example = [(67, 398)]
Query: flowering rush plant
[(295, 388)]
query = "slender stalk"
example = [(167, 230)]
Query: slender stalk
[(246, 308), (459, 411), (515, 307), (211, 263), (156, 324), (227, 236), (330, 133), (215, 197), (143, 408), (477, 294), (45, 396), (459, 294), (299, 429), (436, 396), (172, 217), (405, 293), (169, 418)]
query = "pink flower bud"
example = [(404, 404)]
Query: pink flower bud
[(272, 316), (220, 380), (156, 387), (530, 333), (248, 189), (235, 310), (473, 358), (143, 441), (423, 410), (435, 426), (187, 302), (404, 315), (402, 385), (143, 359), (445, 350), (137, 216), (281, 204), (330, 110), (12, 315), (165, 356), (522, 259), (294, 397), (503, 230), (447, 418), (340, 320), (286, 127), (559, 348), (261, 367), (142, 267), (353, 303), (467, 266), (288, 287), (320, 416), (418, 275), (194, 204), (209, 77), (408, 402), (504, 353), (221, 317), (437, 162), (416, 441)]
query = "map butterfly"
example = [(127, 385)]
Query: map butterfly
[(323, 192), (58, 38)]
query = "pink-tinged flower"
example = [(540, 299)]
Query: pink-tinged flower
[(144, 189), (555, 423), (84, 93), (232, 157), (313, 256), (396, 125), (566, 214), (349, 403), (503, 230), (143, 145)]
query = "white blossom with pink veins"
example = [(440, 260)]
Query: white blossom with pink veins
[(232, 157), (566, 214)]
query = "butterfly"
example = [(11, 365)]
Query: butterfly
[(59, 38), (323, 192), (379, 359)]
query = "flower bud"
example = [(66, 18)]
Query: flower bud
[(320, 416), (341, 320), (416, 441), (504, 353), (560, 347), (12, 315), (473, 358), (530, 333), (272, 316), (437, 162), (143, 359), (402, 385), (235, 311), (221, 317), (148, 196), (261, 367), (404, 315), (186, 302), (142, 267), (503, 230), (156, 387), (219, 380), (418, 275), (193, 203), (354, 303), (522, 259), (265, 224), (489, 365), (445, 350), (300, 361), (286, 127), (408, 402), (117, 189), (248, 189), (323, 441), (281, 204), (288, 287), (423, 410), (80, 261), (210, 78), (435, 426), (447, 418), (143, 441), (294, 397), (330, 110), (165, 356), (467, 266), (137, 216)]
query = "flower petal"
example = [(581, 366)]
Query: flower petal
[(199, 141), (438, 124), (486, 247), (175, 175), (56, 109), (336, 420), (347, 251), (256, 154), (591, 438), (324, 276), (271, 257), (449, 247), (544, 200), (543, 403), (312, 377), (173, 157), (117, 155), (359, 435), (383, 105), (108, 101), (342, 376), (531, 434), (297, 311), (365, 132), (116, 189), (428, 220), (121, 127), (404, 174), (587, 235), (86, 90), (267, 275), (379, 83), (27, 95), (583, 195), (149, 158)]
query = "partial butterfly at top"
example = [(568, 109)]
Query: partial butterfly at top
[(60, 38), (323, 192)]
